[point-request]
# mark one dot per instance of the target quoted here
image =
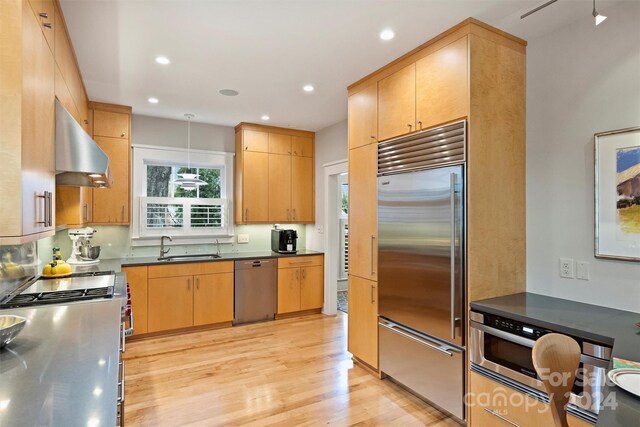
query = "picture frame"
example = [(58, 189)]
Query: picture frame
[(617, 194)]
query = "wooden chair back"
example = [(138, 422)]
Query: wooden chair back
[(556, 358)]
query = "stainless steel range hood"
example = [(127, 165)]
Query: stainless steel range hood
[(80, 162)]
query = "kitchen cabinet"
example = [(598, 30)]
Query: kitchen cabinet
[(363, 320), (274, 175), (44, 11), (397, 103), (137, 278), (363, 117), (300, 283), (190, 294), (27, 165), (111, 130), (493, 404)]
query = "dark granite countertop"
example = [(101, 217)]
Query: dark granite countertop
[(153, 260), (587, 321)]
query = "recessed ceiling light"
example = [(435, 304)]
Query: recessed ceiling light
[(228, 92), (308, 88), (387, 34), (153, 100), (265, 117), (163, 60)]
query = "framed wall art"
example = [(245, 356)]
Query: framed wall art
[(617, 194)]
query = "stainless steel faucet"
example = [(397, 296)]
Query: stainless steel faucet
[(162, 251)]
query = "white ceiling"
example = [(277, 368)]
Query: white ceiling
[(268, 49)]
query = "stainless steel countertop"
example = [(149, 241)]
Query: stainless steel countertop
[(62, 370)]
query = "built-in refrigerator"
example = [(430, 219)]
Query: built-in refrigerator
[(421, 236)]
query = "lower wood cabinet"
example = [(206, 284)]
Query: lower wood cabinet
[(363, 320), (491, 404), (300, 283), (213, 299), (137, 280), (170, 303)]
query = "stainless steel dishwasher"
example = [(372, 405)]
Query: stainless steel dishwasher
[(256, 290)]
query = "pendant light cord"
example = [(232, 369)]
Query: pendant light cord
[(189, 117)]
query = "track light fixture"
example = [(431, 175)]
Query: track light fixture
[(598, 18)]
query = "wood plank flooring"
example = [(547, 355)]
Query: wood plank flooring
[(291, 372)]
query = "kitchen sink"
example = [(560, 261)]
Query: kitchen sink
[(192, 257)]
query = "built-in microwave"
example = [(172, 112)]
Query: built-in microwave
[(501, 349)]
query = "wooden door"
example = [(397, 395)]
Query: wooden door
[(279, 144), (302, 200), (137, 280), (213, 299), (311, 287), (255, 141), (170, 303), (288, 290), (442, 85), (397, 103), (279, 188), (363, 215), (363, 320), (111, 124), (301, 146), (111, 205), (363, 117), (256, 187)]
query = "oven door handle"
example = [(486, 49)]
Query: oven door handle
[(504, 335)]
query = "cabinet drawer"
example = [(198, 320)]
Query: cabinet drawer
[(190, 269), (300, 261)]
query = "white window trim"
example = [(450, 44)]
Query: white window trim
[(149, 154)]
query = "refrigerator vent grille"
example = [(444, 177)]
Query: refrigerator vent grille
[(433, 147)]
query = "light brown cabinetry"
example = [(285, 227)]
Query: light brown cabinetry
[(27, 166), (111, 130), (274, 175), (213, 298), (137, 278), (363, 117), (363, 320), (170, 303), (300, 283), (397, 103)]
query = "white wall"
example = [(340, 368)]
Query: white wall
[(331, 146), (581, 80)]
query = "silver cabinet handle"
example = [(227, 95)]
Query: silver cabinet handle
[(495, 414), (373, 137), (86, 212), (122, 348), (197, 283), (43, 15), (300, 262), (371, 261), (48, 25), (452, 202), (422, 341), (409, 126), (47, 209), (121, 383), (372, 300), (297, 274), (304, 274), (420, 124)]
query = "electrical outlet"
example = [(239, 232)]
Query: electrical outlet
[(566, 268), (582, 270), (243, 238), (320, 229)]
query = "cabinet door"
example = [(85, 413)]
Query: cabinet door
[(38, 156), (363, 117), (255, 141), (363, 230), (288, 290), (137, 280), (442, 80), (363, 320), (279, 188), (255, 187), (301, 146), (302, 189), (311, 287), (213, 299), (397, 103), (170, 303), (279, 144), (111, 124), (111, 205), (48, 22)]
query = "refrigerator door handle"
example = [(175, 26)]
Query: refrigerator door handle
[(395, 328), (452, 202)]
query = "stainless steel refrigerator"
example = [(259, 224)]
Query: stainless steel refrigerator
[(421, 219)]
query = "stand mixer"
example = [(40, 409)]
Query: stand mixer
[(80, 237)]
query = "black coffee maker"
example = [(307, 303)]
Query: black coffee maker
[(284, 241)]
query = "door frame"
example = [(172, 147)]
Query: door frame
[(331, 236)]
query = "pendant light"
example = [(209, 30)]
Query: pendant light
[(598, 18), (188, 180)]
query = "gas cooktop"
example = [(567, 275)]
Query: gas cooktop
[(77, 287)]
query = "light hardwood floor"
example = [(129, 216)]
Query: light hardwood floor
[(291, 372)]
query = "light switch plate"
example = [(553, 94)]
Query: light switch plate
[(582, 270), (243, 238)]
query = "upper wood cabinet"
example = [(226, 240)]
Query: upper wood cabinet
[(44, 11), (111, 130), (274, 175), (27, 160), (363, 117), (397, 103)]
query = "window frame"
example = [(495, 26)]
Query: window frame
[(144, 155)]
